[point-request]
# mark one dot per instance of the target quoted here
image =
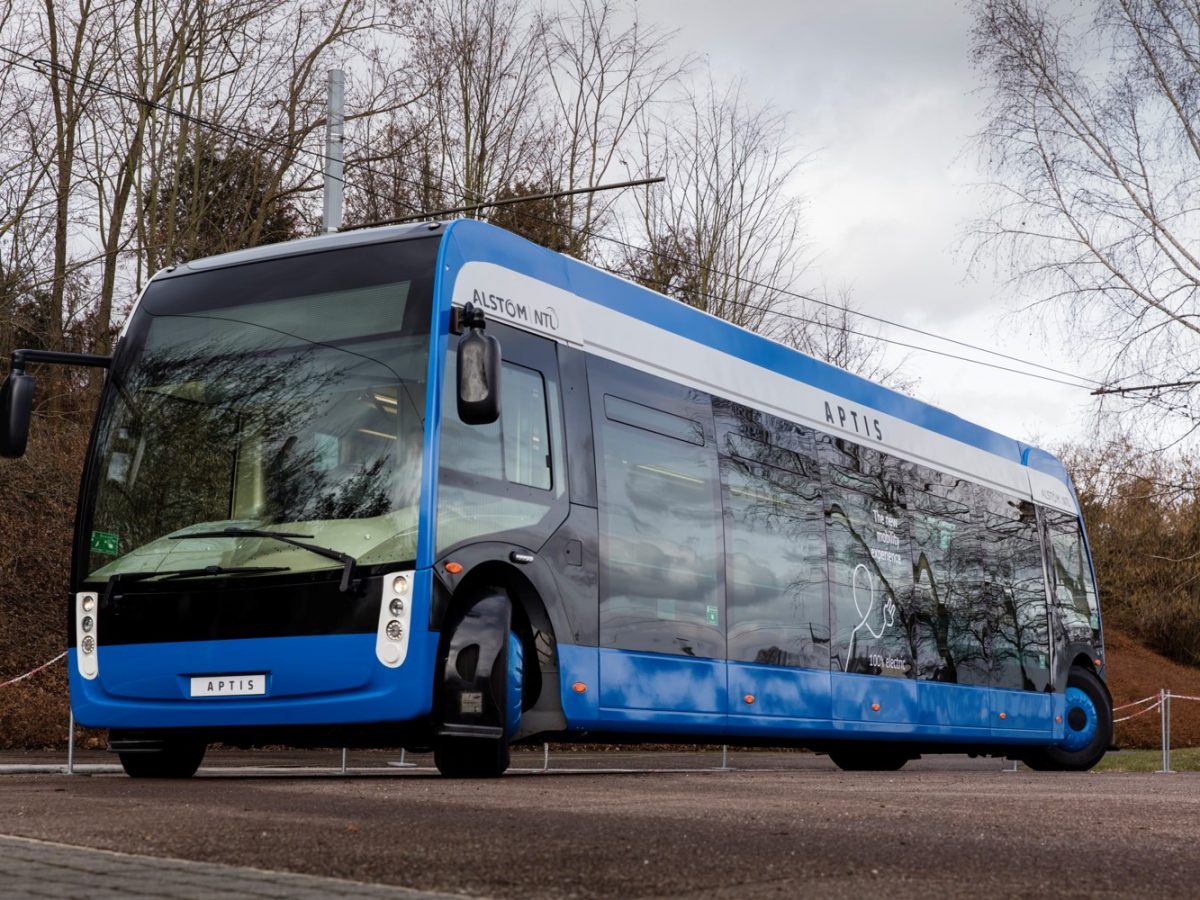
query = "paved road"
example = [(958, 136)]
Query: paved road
[(780, 825)]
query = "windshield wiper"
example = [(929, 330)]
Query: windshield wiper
[(348, 562), (169, 574)]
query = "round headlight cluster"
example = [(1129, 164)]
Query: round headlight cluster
[(396, 606), (394, 630), (89, 603), (400, 584), (87, 624), (88, 644)]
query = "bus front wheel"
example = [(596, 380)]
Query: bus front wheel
[(178, 758), (1089, 727)]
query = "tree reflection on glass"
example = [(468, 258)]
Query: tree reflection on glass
[(225, 419)]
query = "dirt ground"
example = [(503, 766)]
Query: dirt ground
[(1134, 673)]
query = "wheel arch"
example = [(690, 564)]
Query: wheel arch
[(536, 622)]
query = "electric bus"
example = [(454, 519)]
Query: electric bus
[(432, 486)]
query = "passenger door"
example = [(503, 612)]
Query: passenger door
[(662, 616)]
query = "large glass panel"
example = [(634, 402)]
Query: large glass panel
[(660, 539), (479, 461), (286, 395), (1015, 583), (776, 573), (951, 627), (870, 567), (1074, 591)]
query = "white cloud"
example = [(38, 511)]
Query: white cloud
[(884, 96)]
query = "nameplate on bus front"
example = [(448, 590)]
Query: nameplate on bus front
[(230, 685)]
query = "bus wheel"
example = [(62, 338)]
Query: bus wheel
[(481, 691), (868, 758), (178, 758), (1089, 727)]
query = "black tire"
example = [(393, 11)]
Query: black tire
[(1079, 759), (471, 757), (177, 759), (869, 758)]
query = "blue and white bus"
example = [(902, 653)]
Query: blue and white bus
[(435, 486)]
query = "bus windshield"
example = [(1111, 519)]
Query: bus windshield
[(254, 399)]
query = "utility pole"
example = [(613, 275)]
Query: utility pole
[(331, 219)]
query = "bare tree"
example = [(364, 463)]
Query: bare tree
[(724, 234), (1094, 135), (606, 69), (482, 113)]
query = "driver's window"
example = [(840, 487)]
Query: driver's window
[(479, 464)]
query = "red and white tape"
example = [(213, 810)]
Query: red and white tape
[(1140, 712), (33, 672), (1135, 703)]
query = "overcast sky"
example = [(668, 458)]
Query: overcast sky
[(884, 97)]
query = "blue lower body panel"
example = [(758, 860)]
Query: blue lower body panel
[(319, 680), (624, 691)]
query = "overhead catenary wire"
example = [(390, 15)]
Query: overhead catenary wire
[(259, 140)]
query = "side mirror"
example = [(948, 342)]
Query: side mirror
[(16, 408), (478, 371)]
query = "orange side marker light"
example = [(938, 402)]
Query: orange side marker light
[(454, 568), (579, 687), (874, 707), (1003, 715), (749, 698)]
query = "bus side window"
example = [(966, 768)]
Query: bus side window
[(1072, 587), (478, 462), (776, 584), (870, 562), (947, 573), (1015, 591)]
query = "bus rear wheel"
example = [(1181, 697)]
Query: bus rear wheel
[(177, 759), (869, 758), (1089, 728)]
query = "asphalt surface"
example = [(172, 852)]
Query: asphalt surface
[(618, 825)]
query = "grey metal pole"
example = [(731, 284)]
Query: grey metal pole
[(343, 760), (1164, 729), (70, 741), (545, 757), (331, 219)]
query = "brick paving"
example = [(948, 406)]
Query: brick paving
[(30, 868)]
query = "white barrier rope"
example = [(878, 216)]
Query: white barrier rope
[(1140, 712), (1184, 697), (1135, 703), (33, 672)]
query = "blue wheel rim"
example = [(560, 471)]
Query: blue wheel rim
[(1078, 739), (516, 659)]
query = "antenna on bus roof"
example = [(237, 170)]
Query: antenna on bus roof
[(416, 217)]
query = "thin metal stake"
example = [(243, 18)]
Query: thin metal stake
[(343, 760), (1164, 728), (724, 756), (545, 757), (70, 741)]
